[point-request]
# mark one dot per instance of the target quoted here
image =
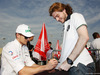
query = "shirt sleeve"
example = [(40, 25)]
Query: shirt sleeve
[(78, 20), (11, 55)]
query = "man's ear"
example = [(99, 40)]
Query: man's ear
[(17, 35), (64, 11)]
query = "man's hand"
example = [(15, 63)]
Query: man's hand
[(51, 64), (65, 66)]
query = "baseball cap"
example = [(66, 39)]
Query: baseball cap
[(24, 30)]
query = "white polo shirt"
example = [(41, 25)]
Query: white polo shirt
[(70, 39), (95, 43), (14, 58)]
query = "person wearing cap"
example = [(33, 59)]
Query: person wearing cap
[(15, 56)]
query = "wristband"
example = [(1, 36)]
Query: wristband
[(69, 61)]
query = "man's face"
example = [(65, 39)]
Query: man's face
[(60, 16), (31, 38), (49, 44), (22, 39)]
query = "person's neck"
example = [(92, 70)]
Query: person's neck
[(19, 42), (68, 17)]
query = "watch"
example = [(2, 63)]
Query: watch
[(69, 61)]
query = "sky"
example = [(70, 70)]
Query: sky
[(35, 12)]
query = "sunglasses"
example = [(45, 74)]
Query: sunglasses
[(25, 36)]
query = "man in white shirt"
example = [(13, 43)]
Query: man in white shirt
[(95, 44), (49, 52), (74, 57), (15, 56)]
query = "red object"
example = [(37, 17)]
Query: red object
[(58, 48), (42, 45), (88, 51)]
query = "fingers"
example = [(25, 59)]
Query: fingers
[(51, 66), (54, 61), (59, 69), (63, 68)]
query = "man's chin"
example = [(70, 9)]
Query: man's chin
[(62, 21), (25, 44)]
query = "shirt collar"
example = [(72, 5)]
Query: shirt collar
[(17, 42), (68, 17)]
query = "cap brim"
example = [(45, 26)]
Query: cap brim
[(29, 34)]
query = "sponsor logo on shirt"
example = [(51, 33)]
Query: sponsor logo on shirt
[(11, 52), (24, 61), (68, 27), (15, 57)]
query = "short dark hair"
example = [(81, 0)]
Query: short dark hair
[(50, 42), (95, 35)]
